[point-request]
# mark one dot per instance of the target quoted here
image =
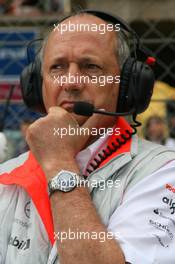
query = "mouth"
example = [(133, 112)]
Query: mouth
[(68, 105)]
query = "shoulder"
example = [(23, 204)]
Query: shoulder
[(148, 145), (150, 151), (9, 191), (149, 158), (12, 164), (170, 143)]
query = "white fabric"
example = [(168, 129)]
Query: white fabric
[(84, 156), (136, 227), (23, 238), (3, 147), (144, 223), (145, 236), (170, 143)]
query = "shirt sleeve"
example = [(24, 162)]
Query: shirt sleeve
[(144, 223)]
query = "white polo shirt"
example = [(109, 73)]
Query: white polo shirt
[(144, 223)]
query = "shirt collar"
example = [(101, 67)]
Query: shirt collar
[(87, 157), (84, 156)]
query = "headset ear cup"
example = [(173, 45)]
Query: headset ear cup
[(123, 99), (141, 83), (31, 86), (136, 87)]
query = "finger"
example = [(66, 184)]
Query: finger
[(92, 122), (95, 121), (52, 109), (56, 109)]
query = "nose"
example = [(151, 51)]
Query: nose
[(73, 81)]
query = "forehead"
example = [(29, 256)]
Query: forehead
[(84, 39)]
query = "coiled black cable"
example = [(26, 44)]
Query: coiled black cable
[(118, 143)]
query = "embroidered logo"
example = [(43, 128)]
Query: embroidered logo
[(170, 203), (20, 244)]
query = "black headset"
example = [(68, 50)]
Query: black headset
[(136, 79)]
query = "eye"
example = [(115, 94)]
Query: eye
[(57, 66), (58, 69), (92, 66), (91, 69)]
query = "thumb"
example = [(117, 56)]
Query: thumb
[(86, 128), (95, 121)]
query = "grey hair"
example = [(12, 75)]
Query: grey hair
[(122, 48)]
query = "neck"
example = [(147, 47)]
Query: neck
[(100, 132)]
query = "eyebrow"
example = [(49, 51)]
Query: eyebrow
[(84, 58)]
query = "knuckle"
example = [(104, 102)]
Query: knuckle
[(53, 109), (30, 131)]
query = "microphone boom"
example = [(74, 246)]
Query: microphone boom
[(87, 109)]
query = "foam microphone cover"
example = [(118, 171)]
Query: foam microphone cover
[(83, 108)]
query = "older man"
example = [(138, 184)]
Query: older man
[(129, 218)]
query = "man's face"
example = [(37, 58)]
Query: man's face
[(83, 53)]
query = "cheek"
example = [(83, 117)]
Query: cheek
[(50, 93), (114, 96), (107, 97)]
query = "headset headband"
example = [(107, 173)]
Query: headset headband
[(136, 80)]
